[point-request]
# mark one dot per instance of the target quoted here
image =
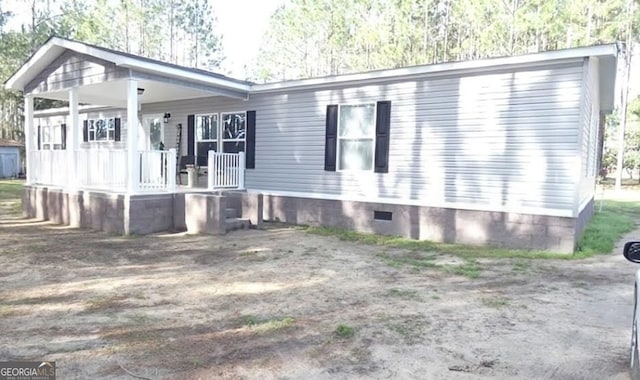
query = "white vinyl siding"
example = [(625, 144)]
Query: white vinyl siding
[(589, 124), (502, 139)]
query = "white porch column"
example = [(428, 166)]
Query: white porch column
[(133, 159), (73, 138), (29, 137)]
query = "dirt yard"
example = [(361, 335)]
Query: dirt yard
[(282, 303)]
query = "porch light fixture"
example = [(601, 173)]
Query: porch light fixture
[(140, 91), (167, 116)]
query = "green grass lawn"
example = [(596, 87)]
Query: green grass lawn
[(10, 197), (11, 189)]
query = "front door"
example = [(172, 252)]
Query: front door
[(154, 132)]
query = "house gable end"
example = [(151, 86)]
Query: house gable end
[(72, 69)]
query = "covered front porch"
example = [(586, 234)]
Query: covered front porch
[(110, 138)]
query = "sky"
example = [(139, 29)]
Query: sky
[(241, 43)]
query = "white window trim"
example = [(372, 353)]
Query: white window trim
[(49, 130), (95, 131), (147, 129), (197, 139), (222, 125), (373, 138)]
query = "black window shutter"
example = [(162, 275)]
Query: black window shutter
[(383, 121), (191, 135), (85, 131), (116, 129), (63, 135), (39, 137), (251, 140), (331, 138)]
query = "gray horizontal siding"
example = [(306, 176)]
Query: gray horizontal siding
[(507, 138), (74, 69)]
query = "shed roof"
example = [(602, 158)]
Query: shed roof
[(6, 142)]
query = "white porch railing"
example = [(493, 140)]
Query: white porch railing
[(158, 170), (50, 167), (226, 170), (103, 169)]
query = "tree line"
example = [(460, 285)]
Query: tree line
[(178, 31), (327, 37)]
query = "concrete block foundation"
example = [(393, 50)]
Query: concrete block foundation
[(498, 229), (139, 214), (205, 212)]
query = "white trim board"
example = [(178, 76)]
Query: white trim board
[(410, 202)]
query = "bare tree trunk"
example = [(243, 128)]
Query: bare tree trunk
[(628, 53), (624, 96), (171, 36), (512, 27), (587, 36), (126, 27)]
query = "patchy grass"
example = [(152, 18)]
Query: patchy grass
[(470, 269), (410, 329), (265, 326), (403, 293), (11, 197), (522, 266), (11, 189), (495, 302), (459, 250), (344, 331), (413, 258), (607, 226), (105, 302), (8, 311)]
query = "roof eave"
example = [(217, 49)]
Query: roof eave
[(24, 74), (439, 69)]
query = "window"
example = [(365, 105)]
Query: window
[(234, 127), (356, 136), (207, 127), (51, 137), (102, 129)]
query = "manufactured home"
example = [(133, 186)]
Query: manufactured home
[(502, 151)]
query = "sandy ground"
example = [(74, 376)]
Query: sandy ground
[(266, 304)]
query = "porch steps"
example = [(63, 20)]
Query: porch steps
[(233, 220)]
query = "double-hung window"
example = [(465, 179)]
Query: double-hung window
[(356, 136), (234, 128), (103, 129), (51, 137), (206, 135)]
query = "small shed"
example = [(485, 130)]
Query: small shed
[(9, 158)]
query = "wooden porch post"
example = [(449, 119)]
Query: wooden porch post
[(133, 157), (73, 133), (29, 137)]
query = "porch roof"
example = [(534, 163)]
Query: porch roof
[(185, 82)]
